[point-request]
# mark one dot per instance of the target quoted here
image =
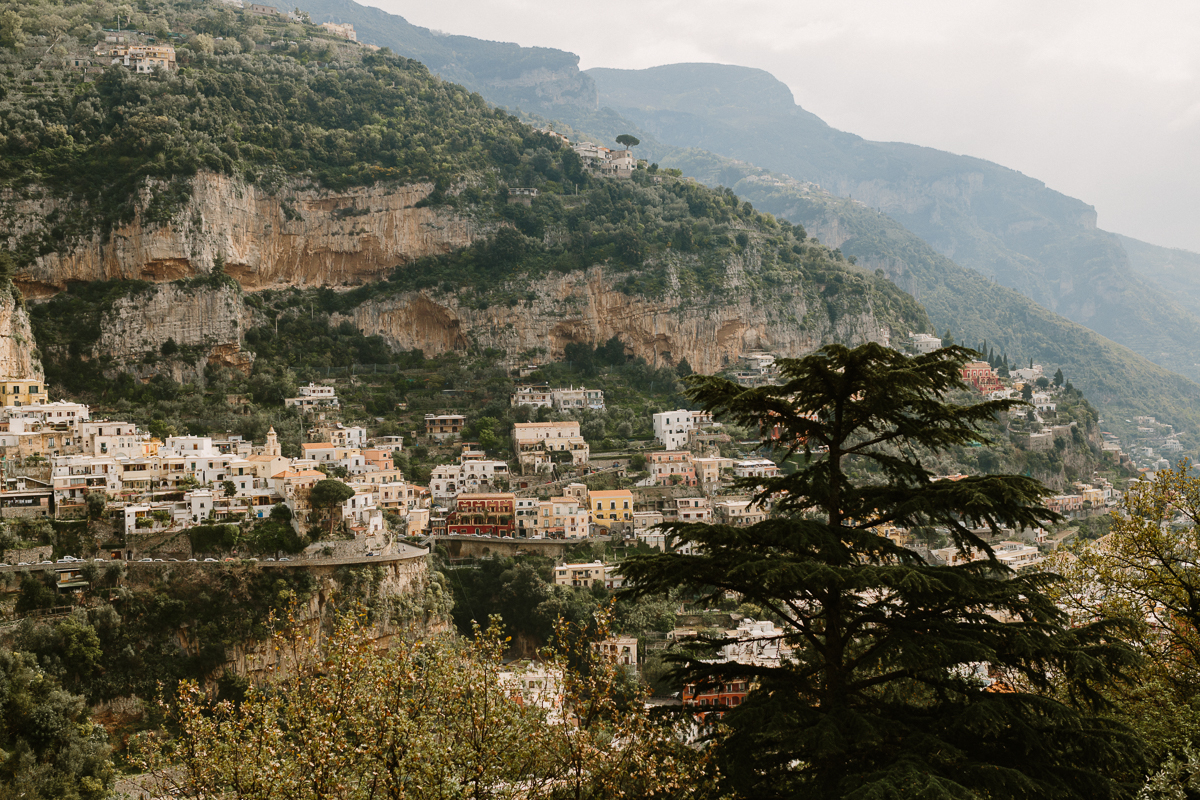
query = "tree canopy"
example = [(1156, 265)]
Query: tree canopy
[(1148, 570), (439, 717), (49, 749), (327, 495), (897, 677)]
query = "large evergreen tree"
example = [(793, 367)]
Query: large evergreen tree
[(879, 694)]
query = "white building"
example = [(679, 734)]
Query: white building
[(536, 396), (1026, 373), (924, 343), (671, 428), (572, 399), (1043, 402), (313, 396), (755, 468), (344, 30), (444, 481), (60, 411), (111, 438), (75, 476)]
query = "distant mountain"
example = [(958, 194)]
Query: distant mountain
[(1005, 225), (1174, 271)]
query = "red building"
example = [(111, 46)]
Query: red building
[(715, 698), (980, 375), (483, 515)]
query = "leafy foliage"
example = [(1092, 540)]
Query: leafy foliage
[(1146, 569), (138, 637), (49, 749), (430, 718)]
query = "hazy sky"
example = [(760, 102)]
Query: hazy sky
[(1101, 100)]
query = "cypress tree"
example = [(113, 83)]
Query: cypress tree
[(881, 689)]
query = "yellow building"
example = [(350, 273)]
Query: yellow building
[(609, 507), (22, 392)]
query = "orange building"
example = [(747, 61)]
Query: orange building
[(483, 515), (666, 464), (981, 376)]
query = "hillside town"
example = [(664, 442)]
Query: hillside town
[(54, 456)]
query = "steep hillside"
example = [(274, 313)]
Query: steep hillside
[(1007, 226), (1010, 228), (1174, 271), (309, 161)]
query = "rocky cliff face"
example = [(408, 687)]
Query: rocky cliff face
[(291, 237), (543, 87), (205, 323), (18, 351), (710, 332)]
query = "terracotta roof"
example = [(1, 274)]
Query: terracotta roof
[(304, 473)]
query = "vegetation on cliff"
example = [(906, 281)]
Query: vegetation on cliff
[(49, 748), (1004, 225), (307, 108), (322, 110)]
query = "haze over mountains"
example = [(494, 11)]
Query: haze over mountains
[(1005, 228)]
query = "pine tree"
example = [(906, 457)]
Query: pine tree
[(1058, 377), (880, 696)]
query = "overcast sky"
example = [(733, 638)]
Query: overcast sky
[(1101, 100)]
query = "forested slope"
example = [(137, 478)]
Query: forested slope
[(307, 135)]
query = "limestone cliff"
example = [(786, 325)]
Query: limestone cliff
[(709, 331), (19, 357), (292, 236), (204, 322)]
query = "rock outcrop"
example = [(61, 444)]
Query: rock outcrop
[(292, 236), (205, 324), (19, 357), (710, 332)]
